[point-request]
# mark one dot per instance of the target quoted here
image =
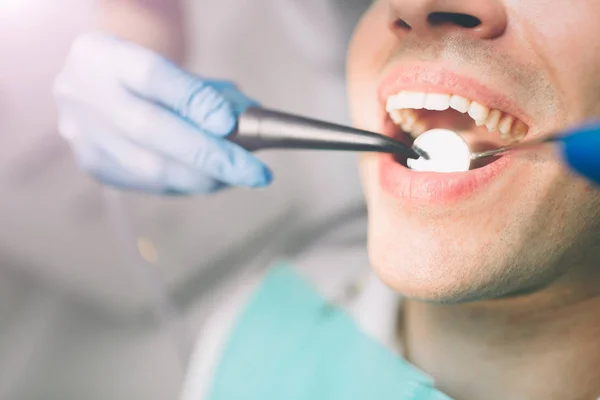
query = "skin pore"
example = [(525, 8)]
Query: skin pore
[(504, 285)]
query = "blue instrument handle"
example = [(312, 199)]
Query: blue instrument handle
[(581, 150)]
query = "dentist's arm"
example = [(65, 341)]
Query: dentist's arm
[(157, 25)]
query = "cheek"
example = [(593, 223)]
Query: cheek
[(370, 48), (564, 39)]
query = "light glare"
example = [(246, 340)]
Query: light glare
[(447, 151), (10, 7), (24, 13)]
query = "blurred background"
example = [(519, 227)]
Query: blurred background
[(80, 313)]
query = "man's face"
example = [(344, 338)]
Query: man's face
[(513, 225)]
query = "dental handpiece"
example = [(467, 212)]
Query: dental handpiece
[(260, 128)]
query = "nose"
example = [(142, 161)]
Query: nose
[(483, 19)]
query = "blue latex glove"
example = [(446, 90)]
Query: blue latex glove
[(136, 121), (581, 150)]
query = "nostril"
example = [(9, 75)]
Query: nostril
[(462, 20), (401, 24)]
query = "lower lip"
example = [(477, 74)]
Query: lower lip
[(433, 187)]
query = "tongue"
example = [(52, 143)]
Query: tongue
[(482, 162)]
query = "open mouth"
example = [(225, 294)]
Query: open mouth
[(481, 126)]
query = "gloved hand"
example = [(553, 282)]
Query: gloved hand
[(136, 121)]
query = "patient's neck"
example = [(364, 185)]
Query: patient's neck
[(540, 346)]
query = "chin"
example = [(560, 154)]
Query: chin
[(424, 266), (448, 273)]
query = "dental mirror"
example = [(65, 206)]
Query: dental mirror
[(447, 152)]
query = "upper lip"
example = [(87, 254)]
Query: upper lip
[(437, 79)]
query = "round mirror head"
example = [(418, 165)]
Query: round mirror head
[(447, 152)]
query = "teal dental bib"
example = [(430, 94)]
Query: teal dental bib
[(291, 344)]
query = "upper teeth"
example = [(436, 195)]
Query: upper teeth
[(400, 108)]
